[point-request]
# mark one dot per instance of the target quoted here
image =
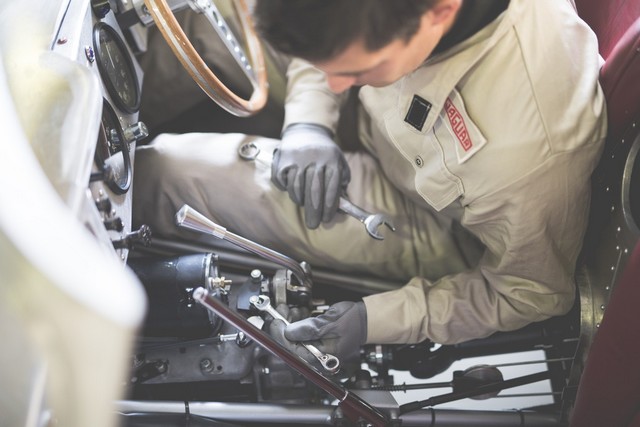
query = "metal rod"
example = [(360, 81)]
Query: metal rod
[(532, 362), (488, 388), (465, 418), (322, 415), (233, 257), (554, 393), (420, 386), (190, 218), (353, 406), (234, 412)]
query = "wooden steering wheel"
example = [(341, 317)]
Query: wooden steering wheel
[(253, 68)]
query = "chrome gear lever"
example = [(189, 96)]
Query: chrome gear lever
[(188, 217)]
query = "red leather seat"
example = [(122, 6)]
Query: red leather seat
[(620, 79), (609, 19), (616, 26), (609, 390)]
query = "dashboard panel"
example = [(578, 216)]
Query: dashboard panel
[(90, 35)]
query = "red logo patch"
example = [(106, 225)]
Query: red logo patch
[(458, 125)]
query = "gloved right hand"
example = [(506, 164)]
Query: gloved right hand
[(276, 329), (310, 166), (340, 331)]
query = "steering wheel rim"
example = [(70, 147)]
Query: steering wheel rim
[(201, 73)]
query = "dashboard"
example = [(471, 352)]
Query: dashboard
[(101, 39), (71, 129), (90, 35)]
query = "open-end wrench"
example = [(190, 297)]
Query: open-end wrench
[(250, 151), (371, 221), (328, 361)]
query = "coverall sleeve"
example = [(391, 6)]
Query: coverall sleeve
[(533, 230), (309, 99)]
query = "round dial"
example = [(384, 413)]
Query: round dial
[(116, 68), (112, 152)]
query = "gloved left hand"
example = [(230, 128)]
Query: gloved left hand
[(310, 166), (340, 331)]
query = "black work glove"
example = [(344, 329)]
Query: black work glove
[(340, 331), (276, 328), (310, 166)]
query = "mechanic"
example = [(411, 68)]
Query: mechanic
[(480, 124)]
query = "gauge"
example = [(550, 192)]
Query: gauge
[(116, 68), (112, 153)]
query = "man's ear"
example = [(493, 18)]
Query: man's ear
[(444, 11)]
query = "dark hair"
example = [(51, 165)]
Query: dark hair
[(317, 30)]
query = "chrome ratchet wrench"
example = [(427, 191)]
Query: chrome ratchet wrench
[(328, 361)]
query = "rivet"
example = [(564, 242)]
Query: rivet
[(607, 288), (602, 307), (597, 325), (90, 54), (419, 162)]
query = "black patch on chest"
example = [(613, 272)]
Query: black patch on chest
[(418, 112)]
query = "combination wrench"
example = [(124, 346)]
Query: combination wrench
[(371, 221), (249, 151), (328, 361)]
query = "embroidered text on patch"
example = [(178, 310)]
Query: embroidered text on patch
[(458, 125)]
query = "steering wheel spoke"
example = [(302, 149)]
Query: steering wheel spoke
[(213, 15)]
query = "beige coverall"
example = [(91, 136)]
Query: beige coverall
[(503, 157)]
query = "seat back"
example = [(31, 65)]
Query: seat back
[(614, 21), (619, 79), (609, 19), (610, 288)]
